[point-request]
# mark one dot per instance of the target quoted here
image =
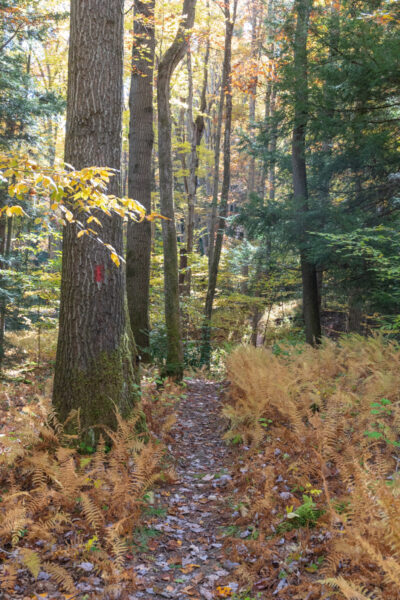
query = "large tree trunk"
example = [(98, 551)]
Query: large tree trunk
[(223, 208), (168, 63), (94, 369), (308, 269), (141, 137)]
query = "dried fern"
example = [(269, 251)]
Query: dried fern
[(60, 576), (31, 560)]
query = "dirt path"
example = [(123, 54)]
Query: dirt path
[(180, 547)]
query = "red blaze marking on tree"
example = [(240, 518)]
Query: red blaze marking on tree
[(99, 273)]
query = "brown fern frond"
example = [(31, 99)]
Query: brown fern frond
[(60, 576), (118, 547), (8, 576), (351, 591), (92, 512), (13, 523)]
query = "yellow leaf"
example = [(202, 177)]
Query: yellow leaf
[(154, 216), (224, 592), (189, 568), (13, 210), (69, 216), (81, 233), (114, 257), (95, 219)]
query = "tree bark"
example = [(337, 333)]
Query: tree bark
[(195, 129), (223, 208), (5, 245), (256, 41), (94, 371), (355, 313), (168, 63), (217, 152), (268, 172), (141, 138), (308, 269)]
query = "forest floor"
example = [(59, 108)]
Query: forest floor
[(180, 546), (261, 517)]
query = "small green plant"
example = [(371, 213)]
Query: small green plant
[(153, 511), (379, 432), (237, 439), (265, 422), (314, 566), (142, 536), (85, 448), (306, 515), (282, 574), (230, 531)]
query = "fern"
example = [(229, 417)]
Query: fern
[(8, 576), (118, 547), (351, 591), (31, 560), (60, 576), (320, 404), (45, 477), (92, 512)]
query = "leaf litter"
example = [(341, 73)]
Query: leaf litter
[(187, 558)]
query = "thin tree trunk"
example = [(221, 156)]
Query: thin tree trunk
[(168, 63), (217, 152), (195, 133), (308, 269), (272, 145), (4, 221), (141, 138), (94, 368), (183, 228), (256, 40), (355, 312), (256, 20), (268, 169), (223, 208)]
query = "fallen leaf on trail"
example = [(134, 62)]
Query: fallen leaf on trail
[(189, 568), (86, 566), (224, 591)]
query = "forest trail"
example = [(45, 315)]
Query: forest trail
[(182, 554)]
